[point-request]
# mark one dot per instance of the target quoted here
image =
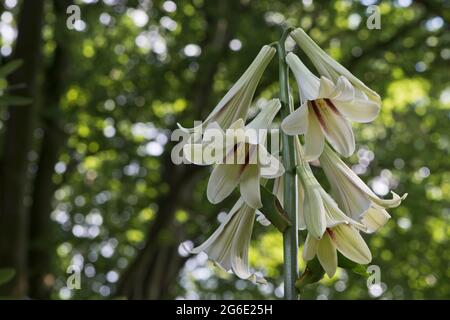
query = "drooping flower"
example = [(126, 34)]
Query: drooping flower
[(228, 246), (236, 102), (353, 196), (342, 237), (318, 209), (245, 159), (329, 229), (330, 68), (325, 110)]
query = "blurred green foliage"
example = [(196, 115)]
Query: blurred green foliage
[(132, 67), (6, 275), (5, 98)]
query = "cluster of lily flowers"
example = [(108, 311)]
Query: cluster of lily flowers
[(328, 104)]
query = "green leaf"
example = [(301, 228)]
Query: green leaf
[(6, 275), (14, 101), (10, 67), (313, 273), (273, 210), (348, 264)]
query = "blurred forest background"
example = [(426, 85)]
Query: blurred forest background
[(86, 178)]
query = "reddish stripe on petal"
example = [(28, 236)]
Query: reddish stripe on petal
[(318, 114), (247, 158), (232, 151), (331, 233), (242, 168), (247, 153), (332, 106)]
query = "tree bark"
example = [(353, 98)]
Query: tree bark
[(153, 273), (17, 144), (42, 243)]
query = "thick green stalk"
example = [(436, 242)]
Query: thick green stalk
[(290, 235)]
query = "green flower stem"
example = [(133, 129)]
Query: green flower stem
[(290, 235)]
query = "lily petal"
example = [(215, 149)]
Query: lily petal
[(216, 244), (300, 205), (335, 127), (228, 245), (334, 215), (271, 167), (375, 218), (314, 212), (334, 166), (388, 203), (314, 139), (224, 178), (327, 88), (265, 117), (310, 248), (327, 255), (344, 90), (240, 246), (238, 124), (308, 83), (297, 121), (249, 186), (358, 110), (350, 198), (194, 153), (350, 243)]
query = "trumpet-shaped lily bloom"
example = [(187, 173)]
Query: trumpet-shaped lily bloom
[(228, 245), (353, 196), (317, 209), (344, 238), (330, 68), (329, 229), (234, 105), (245, 159), (325, 111)]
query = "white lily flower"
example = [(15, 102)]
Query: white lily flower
[(353, 196), (228, 246), (234, 105), (330, 68), (246, 159), (325, 110), (329, 229), (342, 237), (317, 210)]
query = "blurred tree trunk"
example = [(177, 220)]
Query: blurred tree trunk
[(154, 272), (149, 276), (41, 279), (17, 144)]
